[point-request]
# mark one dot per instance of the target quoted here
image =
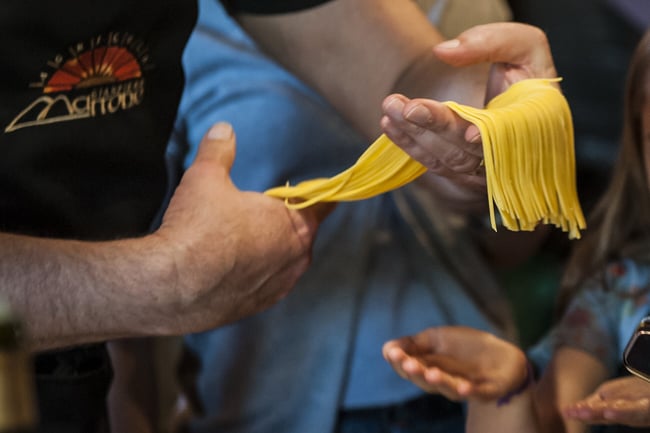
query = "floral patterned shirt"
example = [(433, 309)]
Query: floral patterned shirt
[(602, 317)]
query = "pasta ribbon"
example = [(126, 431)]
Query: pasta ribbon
[(529, 157), (381, 168)]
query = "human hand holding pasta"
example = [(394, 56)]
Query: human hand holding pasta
[(434, 135), (261, 263), (458, 362), (623, 401)]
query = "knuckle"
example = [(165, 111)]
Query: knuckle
[(461, 161)]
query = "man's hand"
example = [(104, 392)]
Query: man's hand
[(236, 253)]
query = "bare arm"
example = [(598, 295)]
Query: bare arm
[(356, 52), (468, 364), (570, 377), (70, 292), (220, 254), (133, 399), (380, 48), (463, 363)]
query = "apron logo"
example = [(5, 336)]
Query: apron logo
[(99, 78)]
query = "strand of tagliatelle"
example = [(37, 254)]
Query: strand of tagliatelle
[(529, 157)]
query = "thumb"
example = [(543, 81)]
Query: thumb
[(517, 44), (218, 145)]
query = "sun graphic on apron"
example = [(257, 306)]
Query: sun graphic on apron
[(94, 67)]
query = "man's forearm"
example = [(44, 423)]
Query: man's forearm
[(73, 292), (220, 254)]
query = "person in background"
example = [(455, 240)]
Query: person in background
[(605, 294), (382, 266)]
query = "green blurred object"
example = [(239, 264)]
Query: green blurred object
[(532, 288)]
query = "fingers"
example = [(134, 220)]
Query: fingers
[(453, 387), (218, 145), (427, 377), (619, 401), (402, 355), (634, 413), (432, 134), (512, 43), (421, 359)]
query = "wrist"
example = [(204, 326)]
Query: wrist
[(154, 285), (529, 380)]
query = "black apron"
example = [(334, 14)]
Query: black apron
[(88, 96)]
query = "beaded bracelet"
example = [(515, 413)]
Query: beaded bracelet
[(530, 378)]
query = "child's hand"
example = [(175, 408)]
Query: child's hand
[(620, 401), (460, 363)]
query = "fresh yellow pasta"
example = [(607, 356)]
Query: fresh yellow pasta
[(528, 150), (381, 168)]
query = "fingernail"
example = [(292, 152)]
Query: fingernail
[(452, 43), (475, 139), (395, 105), (220, 131), (419, 115)]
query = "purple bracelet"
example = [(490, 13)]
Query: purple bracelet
[(530, 378)]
